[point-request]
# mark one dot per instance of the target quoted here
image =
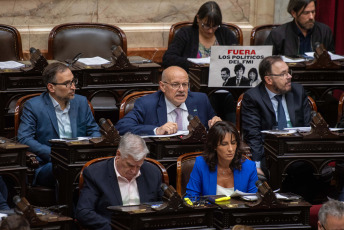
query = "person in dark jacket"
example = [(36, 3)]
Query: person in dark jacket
[(302, 34), (195, 41)]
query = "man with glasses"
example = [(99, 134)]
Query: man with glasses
[(276, 103), (56, 113), (331, 216), (301, 34), (168, 110)]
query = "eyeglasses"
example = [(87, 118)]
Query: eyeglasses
[(184, 85), (206, 27), (68, 84), (285, 74)]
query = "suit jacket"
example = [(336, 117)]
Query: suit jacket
[(39, 123), (203, 181), (101, 190), (258, 114), (150, 112), (243, 81)]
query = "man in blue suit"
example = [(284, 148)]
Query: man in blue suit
[(166, 111), (124, 180), (56, 113)]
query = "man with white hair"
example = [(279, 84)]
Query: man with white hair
[(331, 216), (124, 180)]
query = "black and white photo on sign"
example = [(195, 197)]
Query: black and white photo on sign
[(232, 66)]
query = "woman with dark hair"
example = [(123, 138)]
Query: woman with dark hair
[(222, 169), (253, 77), (195, 41)]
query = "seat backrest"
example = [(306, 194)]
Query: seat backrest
[(340, 107), (234, 28), (185, 165), (260, 33), (10, 43), (90, 39), (127, 104), (19, 110), (164, 175), (311, 102)]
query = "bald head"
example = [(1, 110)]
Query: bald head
[(175, 85)]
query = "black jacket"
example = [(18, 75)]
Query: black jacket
[(185, 45), (285, 39)]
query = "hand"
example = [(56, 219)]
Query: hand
[(260, 171), (213, 121), (168, 128)]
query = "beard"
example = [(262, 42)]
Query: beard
[(279, 90), (307, 25)]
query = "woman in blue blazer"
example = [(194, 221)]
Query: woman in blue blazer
[(222, 169)]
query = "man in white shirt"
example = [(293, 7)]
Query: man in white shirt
[(124, 180)]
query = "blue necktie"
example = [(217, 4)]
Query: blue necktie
[(282, 120)]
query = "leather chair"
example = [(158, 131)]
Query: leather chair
[(37, 195), (260, 33), (340, 107), (127, 104), (239, 104), (90, 39), (175, 27), (162, 169), (11, 45)]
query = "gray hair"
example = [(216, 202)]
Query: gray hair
[(133, 145), (331, 208)]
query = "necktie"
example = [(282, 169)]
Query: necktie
[(237, 81), (282, 120), (179, 118)]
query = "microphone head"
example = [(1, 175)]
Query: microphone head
[(259, 183), (102, 121), (16, 199), (113, 47), (190, 117), (163, 186), (317, 44), (32, 50), (313, 113)]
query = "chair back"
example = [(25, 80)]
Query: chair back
[(11, 44), (164, 175), (311, 103), (90, 39), (185, 165), (175, 27), (340, 107), (20, 106), (260, 33), (127, 104)]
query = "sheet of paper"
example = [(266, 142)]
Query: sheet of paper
[(200, 60), (285, 131), (287, 59), (94, 61), (11, 65), (308, 129), (72, 139), (179, 133)]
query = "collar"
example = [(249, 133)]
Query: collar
[(57, 105), (170, 107), (120, 176), (270, 93)]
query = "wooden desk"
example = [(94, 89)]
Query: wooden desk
[(13, 163), (68, 158), (295, 215), (283, 150), (101, 86)]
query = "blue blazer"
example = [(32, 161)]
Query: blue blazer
[(203, 181), (101, 190), (150, 112), (39, 123)]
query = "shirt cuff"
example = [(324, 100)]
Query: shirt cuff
[(155, 130), (257, 164)]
